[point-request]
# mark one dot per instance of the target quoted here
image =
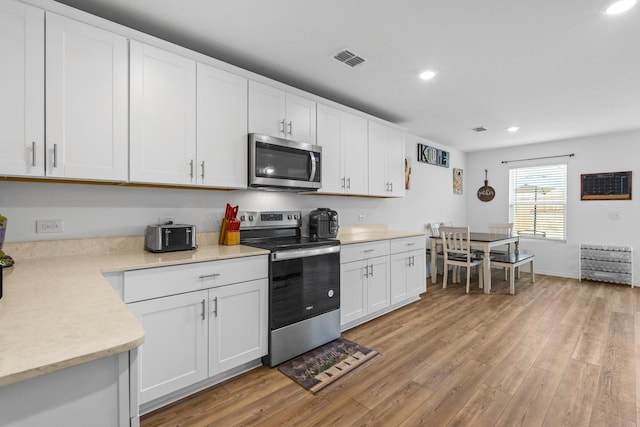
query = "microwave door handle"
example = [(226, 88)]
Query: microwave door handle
[(313, 165)]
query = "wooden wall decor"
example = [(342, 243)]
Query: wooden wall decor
[(605, 186)]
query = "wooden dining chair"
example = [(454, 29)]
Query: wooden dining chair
[(457, 253), (433, 229)]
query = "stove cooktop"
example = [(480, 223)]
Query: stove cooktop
[(289, 243)]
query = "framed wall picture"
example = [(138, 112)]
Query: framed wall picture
[(605, 186), (457, 181)]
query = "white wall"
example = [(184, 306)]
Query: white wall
[(104, 211), (587, 221)]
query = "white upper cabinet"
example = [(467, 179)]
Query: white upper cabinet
[(22, 88), (386, 158), (163, 116), (86, 101), (277, 113), (221, 128), (343, 137)]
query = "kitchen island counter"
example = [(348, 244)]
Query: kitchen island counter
[(60, 311)]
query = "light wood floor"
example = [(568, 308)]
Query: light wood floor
[(558, 353)]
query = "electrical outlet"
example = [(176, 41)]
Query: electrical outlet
[(49, 226), (361, 217), (614, 215)]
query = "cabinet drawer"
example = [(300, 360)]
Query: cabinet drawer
[(405, 244), (162, 281), (358, 251)]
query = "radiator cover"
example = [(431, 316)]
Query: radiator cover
[(613, 264)]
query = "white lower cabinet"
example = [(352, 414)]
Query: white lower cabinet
[(407, 268), (364, 280), (211, 320), (174, 353), (237, 325)]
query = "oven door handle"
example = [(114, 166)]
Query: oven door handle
[(280, 256)]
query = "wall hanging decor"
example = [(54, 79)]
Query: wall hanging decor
[(407, 173), (486, 193), (605, 186), (457, 181), (433, 156)]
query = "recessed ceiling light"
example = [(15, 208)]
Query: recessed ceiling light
[(428, 74), (513, 129), (620, 6)]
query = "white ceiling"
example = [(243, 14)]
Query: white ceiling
[(556, 68)]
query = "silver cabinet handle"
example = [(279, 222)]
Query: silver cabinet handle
[(411, 244), (349, 183), (33, 153), (344, 180), (282, 129), (371, 270), (290, 128), (202, 314), (366, 271), (55, 155), (215, 307), (366, 251), (208, 276), (191, 168), (202, 165), (391, 186)]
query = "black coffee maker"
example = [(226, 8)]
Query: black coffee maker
[(323, 223)]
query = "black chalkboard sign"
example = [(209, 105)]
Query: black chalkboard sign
[(605, 186)]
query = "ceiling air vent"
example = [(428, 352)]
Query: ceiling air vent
[(349, 58), (479, 129)]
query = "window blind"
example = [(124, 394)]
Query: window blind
[(538, 200)]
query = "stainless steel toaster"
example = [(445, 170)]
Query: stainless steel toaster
[(170, 237)]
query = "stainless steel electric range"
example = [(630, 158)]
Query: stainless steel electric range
[(304, 283)]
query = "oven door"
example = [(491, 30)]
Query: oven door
[(280, 163), (304, 284)]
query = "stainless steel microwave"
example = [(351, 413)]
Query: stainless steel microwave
[(281, 164)]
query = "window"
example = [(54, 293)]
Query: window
[(538, 201)]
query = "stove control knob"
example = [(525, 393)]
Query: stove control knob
[(250, 217), (242, 218), (330, 293)]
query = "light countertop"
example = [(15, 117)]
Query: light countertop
[(58, 312)]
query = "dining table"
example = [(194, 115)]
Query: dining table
[(480, 240)]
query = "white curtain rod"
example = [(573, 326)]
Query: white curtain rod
[(538, 158)]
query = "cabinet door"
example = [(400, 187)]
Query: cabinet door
[(221, 128), (238, 324), (378, 184), (163, 116), (378, 292), (174, 352), (300, 117), (22, 89), (400, 267), (353, 303), (330, 139), (266, 110), (394, 169), (87, 101), (355, 142), (417, 281)]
